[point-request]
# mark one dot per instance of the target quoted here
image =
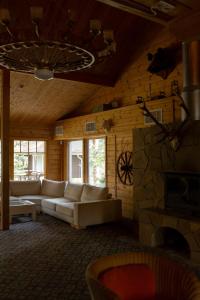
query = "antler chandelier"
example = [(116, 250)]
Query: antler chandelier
[(46, 57)]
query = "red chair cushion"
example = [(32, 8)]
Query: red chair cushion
[(130, 282)]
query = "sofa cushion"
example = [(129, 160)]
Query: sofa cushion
[(11, 198), (34, 198), (73, 191), (53, 188), (51, 203), (19, 188), (91, 193), (65, 208)]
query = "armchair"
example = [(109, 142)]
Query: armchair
[(169, 279)]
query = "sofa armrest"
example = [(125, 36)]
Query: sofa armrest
[(97, 212)]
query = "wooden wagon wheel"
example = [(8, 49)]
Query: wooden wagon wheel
[(125, 167)]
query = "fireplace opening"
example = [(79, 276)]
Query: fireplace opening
[(170, 239), (182, 191)]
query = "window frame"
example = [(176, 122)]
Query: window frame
[(85, 141), (67, 158), (29, 153)]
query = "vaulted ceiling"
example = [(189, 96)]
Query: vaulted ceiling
[(34, 101)]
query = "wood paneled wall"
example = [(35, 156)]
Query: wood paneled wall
[(134, 82), (119, 138), (54, 161)]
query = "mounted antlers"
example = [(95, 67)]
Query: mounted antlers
[(173, 134)]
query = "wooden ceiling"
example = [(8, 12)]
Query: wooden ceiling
[(35, 102)]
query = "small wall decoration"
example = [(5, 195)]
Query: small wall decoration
[(107, 125), (125, 168)]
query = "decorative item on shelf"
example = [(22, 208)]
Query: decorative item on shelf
[(175, 90), (102, 107), (125, 168), (160, 96), (115, 103), (107, 125), (139, 100), (35, 51)]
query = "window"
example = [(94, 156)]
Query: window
[(93, 164), (96, 161), (75, 161), (29, 160)]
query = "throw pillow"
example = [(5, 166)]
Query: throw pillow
[(53, 188), (73, 191), (91, 193)]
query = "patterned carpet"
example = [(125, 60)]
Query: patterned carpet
[(47, 259)]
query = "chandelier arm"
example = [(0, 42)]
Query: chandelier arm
[(21, 65), (36, 27), (3, 23)]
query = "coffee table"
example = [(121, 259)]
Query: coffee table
[(20, 207)]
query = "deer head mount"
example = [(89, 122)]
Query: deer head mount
[(173, 133), (164, 61)]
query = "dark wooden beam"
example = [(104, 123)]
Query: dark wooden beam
[(186, 28), (5, 115), (134, 11), (87, 78)]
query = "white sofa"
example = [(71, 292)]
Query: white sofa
[(79, 205)]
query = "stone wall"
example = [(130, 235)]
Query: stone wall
[(152, 158)]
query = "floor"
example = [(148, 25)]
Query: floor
[(47, 259)]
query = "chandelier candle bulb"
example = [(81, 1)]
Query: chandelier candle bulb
[(36, 12), (71, 16), (95, 26), (4, 15), (108, 36), (113, 47)]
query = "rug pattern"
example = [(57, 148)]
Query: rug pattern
[(47, 259)]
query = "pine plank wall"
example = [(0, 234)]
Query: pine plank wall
[(134, 82)]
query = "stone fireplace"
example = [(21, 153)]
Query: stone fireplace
[(159, 224)]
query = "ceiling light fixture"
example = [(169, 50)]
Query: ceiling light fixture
[(44, 57)]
